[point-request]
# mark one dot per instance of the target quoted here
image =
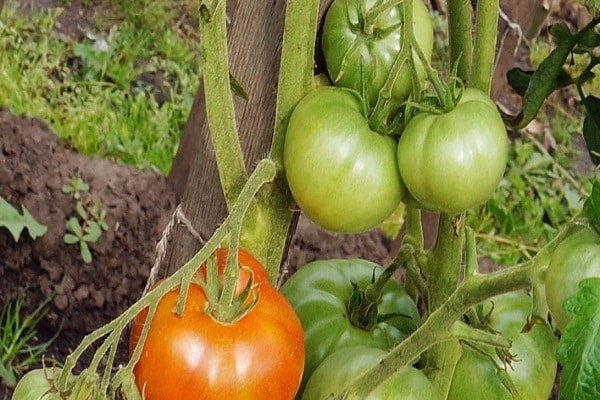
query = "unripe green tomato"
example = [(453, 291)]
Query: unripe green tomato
[(575, 258), (343, 175), (37, 385), (352, 47), (533, 368), (320, 293), (453, 162), (342, 367)]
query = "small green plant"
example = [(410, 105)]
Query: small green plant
[(15, 222), (89, 223), (18, 348)]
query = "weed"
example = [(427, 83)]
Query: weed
[(18, 348), (15, 222), (89, 223)]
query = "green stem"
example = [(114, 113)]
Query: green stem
[(264, 172), (437, 328), (220, 112), (295, 81), (462, 331), (485, 44), (432, 76), (459, 26), (380, 8), (471, 262), (445, 259), (443, 272), (382, 106)]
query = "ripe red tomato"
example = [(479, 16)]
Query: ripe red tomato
[(260, 356)]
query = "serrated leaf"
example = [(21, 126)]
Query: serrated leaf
[(86, 255), (591, 207), (69, 238), (34, 228), (543, 80), (579, 347), (15, 222)]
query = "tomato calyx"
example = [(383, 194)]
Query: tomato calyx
[(362, 308), (228, 298)]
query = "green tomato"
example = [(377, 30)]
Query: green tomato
[(342, 367), (343, 176), (37, 384), (353, 47), (575, 258), (533, 369), (453, 162), (320, 293)]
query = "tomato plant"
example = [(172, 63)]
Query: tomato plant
[(452, 162), (259, 355), (341, 367), (37, 384), (343, 176), (575, 258), (533, 367), (361, 42), (320, 293)]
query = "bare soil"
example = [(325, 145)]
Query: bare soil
[(34, 166)]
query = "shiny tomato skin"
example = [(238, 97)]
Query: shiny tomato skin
[(351, 48), (454, 161), (320, 292), (532, 371), (343, 175), (575, 258), (260, 356)]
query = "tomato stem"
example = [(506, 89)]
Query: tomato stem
[(471, 262), (485, 44), (379, 8), (459, 27), (436, 329), (263, 173), (220, 113)]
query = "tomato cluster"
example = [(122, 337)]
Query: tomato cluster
[(349, 176)]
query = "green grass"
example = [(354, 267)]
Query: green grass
[(98, 100)]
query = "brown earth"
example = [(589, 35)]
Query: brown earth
[(34, 166)]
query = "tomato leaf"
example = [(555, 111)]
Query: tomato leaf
[(519, 79), (543, 80), (15, 222), (591, 127), (579, 348), (591, 207)]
